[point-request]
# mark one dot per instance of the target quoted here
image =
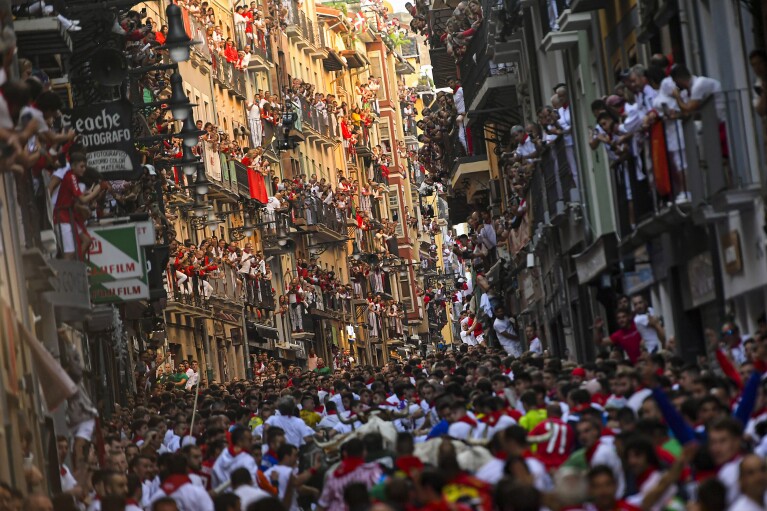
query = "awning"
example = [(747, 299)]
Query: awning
[(354, 58), (55, 383), (267, 332), (226, 317), (333, 62)]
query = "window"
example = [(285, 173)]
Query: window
[(394, 210), (383, 127), (405, 294)]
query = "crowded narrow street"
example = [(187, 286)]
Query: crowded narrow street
[(383, 255)]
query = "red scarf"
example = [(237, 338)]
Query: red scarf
[(62, 471), (234, 451), (348, 465), (468, 420), (408, 464), (173, 482), (131, 502)]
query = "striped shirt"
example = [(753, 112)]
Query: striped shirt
[(332, 497)]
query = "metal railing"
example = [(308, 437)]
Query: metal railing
[(187, 289), (314, 211), (688, 161), (241, 175), (550, 11), (259, 293)]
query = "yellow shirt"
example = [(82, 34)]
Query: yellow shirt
[(532, 418), (255, 422), (310, 418)]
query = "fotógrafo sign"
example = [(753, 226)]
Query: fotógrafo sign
[(105, 129)]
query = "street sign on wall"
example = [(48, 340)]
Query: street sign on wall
[(105, 129), (70, 285), (118, 271)]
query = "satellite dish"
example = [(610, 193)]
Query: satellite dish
[(109, 67)]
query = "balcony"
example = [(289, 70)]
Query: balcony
[(259, 293), (471, 175), (552, 186), (587, 5), (323, 221), (229, 77), (321, 50), (718, 177), (490, 73), (260, 49), (41, 36), (319, 125)]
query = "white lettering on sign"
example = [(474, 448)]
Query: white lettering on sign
[(114, 269), (101, 121), (123, 291), (109, 160)]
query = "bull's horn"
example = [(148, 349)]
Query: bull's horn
[(482, 442)]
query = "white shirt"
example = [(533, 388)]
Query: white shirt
[(605, 454), (513, 348), (226, 463), (284, 474), (703, 87), (192, 378), (650, 483), (188, 497), (729, 476), (68, 481), (59, 173), (174, 444), (566, 125), (526, 148), (249, 494), (295, 428), (460, 106), (648, 333), (536, 346), (744, 503)]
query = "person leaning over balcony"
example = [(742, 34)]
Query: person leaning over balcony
[(665, 108), (692, 91), (66, 219), (565, 123)]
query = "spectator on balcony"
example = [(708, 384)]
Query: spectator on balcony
[(72, 209), (565, 123), (506, 333), (758, 61), (617, 145), (230, 51), (526, 151), (666, 109), (295, 306), (161, 35), (692, 91)]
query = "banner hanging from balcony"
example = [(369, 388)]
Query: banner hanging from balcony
[(105, 129), (117, 265)]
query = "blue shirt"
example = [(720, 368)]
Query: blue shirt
[(440, 429)]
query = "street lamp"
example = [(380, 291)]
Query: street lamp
[(177, 42), (189, 161), (189, 132), (201, 184), (178, 103), (199, 208)]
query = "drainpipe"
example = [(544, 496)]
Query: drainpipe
[(692, 54), (246, 349), (206, 347)]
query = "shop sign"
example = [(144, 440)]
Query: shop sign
[(591, 263), (700, 275), (118, 270), (70, 285), (635, 281), (105, 130)]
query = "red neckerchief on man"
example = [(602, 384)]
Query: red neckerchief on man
[(468, 420), (174, 482), (348, 465)]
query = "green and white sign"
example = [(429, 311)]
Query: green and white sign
[(118, 271)]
